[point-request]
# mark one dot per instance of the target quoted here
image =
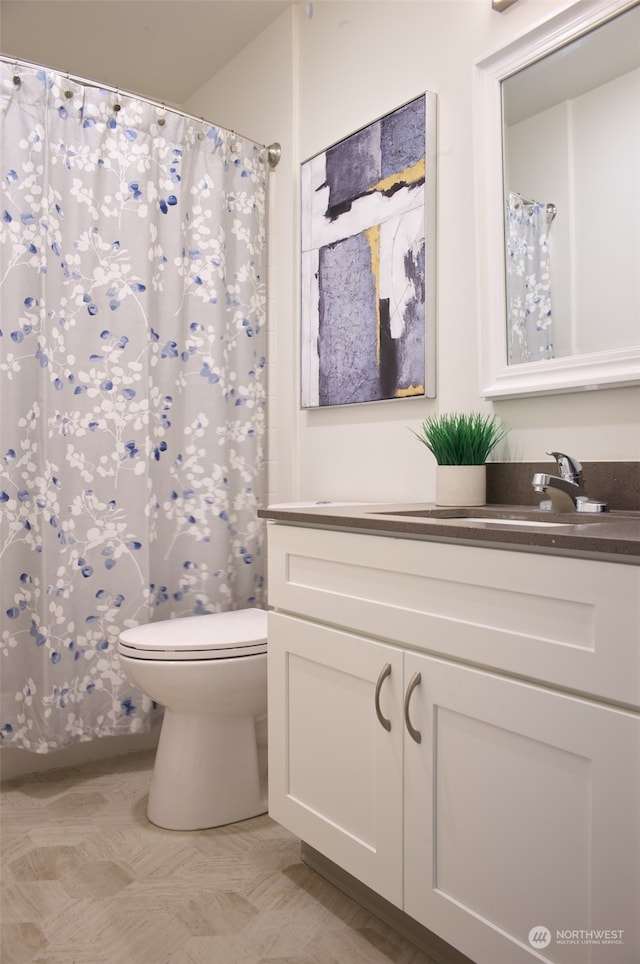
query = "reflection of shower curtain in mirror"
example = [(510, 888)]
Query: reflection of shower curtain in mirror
[(529, 321)]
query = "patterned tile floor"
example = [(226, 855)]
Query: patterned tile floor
[(86, 879)]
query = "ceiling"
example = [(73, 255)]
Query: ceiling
[(162, 49)]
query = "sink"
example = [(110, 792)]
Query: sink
[(513, 522), (502, 516)]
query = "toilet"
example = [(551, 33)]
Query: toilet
[(210, 675)]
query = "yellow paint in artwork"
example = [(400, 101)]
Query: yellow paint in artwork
[(373, 239), (410, 175), (411, 390)]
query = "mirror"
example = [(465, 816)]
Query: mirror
[(558, 204)]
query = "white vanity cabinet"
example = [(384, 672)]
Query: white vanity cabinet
[(519, 807)]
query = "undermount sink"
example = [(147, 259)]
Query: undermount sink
[(499, 517), (514, 522)]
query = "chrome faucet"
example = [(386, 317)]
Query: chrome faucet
[(570, 481)]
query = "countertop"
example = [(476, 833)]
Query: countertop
[(611, 536)]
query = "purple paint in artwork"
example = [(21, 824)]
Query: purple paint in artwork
[(356, 165), (350, 369), (352, 168), (347, 331), (402, 136)]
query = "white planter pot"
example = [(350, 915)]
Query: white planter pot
[(461, 484)]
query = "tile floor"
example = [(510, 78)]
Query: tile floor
[(86, 879)]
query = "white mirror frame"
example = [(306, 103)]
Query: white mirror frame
[(606, 369)]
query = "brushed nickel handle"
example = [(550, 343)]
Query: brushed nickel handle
[(384, 672), (416, 679)]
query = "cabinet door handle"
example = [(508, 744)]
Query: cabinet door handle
[(384, 672), (416, 679)]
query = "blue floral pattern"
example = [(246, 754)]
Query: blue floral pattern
[(132, 437)]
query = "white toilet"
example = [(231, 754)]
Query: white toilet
[(210, 674)]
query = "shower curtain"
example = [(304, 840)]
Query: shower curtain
[(529, 319), (132, 425)]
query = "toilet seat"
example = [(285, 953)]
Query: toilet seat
[(242, 632)]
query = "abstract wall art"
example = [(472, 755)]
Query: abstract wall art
[(368, 263)]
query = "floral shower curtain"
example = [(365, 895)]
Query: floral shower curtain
[(132, 426), (529, 319)]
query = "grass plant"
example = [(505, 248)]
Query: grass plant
[(461, 438)]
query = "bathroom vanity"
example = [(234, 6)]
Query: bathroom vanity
[(454, 719)]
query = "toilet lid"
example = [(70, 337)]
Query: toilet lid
[(242, 632)]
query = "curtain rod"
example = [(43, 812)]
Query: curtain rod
[(550, 207), (273, 151)]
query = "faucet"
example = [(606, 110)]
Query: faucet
[(570, 481)]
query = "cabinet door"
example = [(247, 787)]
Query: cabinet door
[(522, 811), (335, 772)]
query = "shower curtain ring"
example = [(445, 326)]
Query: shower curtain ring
[(68, 92)]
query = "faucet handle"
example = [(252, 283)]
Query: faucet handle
[(568, 467)]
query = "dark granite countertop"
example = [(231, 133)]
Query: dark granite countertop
[(611, 536)]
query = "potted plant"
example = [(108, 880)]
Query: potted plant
[(461, 442)]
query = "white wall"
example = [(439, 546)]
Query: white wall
[(309, 82), (608, 145)]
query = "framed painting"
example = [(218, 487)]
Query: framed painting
[(368, 263)]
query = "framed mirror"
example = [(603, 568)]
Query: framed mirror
[(557, 152)]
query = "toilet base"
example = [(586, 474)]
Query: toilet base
[(206, 772)]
